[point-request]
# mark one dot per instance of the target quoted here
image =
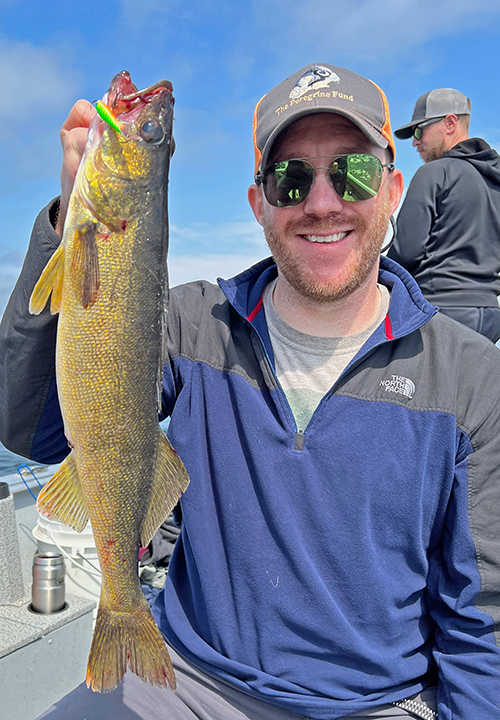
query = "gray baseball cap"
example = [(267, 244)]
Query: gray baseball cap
[(434, 104), (319, 88)]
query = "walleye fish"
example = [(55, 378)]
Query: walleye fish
[(108, 282)]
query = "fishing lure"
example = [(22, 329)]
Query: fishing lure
[(106, 114)]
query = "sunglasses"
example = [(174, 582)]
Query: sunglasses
[(417, 130), (354, 178)]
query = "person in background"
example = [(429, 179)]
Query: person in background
[(339, 550), (448, 228)]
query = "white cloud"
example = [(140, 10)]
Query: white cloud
[(10, 271), (366, 29), (39, 156), (33, 81), (237, 233), (187, 268), (199, 136), (155, 15)]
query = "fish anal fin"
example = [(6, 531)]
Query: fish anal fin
[(84, 268), (62, 499), (170, 481), (130, 640), (50, 281)]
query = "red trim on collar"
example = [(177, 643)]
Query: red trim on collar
[(255, 311), (388, 328)]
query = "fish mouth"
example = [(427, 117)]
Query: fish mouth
[(127, 102), (130, 107)]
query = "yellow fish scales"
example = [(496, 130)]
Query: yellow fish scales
[(108, 282)]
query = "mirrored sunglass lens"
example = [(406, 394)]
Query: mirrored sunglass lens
[(356, 177), (417, 133), (287, 183)]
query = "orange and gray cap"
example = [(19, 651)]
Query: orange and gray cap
[(321, 88), (435, 104)]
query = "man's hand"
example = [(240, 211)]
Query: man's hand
[(73, 138)]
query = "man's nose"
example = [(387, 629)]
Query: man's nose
[(322, 198), (415, 142)]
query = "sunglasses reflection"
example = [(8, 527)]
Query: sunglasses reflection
[(354, 177)]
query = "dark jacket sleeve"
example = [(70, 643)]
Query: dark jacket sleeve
[(463, 589), (27, 360), (416, 218)]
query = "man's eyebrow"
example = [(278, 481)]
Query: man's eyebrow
[(367, 149)]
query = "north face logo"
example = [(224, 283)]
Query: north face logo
[(399, 384)]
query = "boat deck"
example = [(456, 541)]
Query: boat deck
[(42, 657)]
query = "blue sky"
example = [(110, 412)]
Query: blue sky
[(221, 56)]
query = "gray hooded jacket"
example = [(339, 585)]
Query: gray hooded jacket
[(449, 227)]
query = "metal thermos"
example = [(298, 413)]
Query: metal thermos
[(11, 574), (48, 590)]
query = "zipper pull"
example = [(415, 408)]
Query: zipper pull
[(299, 440)]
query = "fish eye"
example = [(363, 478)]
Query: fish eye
[(152, 131)]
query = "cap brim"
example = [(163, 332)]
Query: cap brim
[(371, 133), (405, 132)]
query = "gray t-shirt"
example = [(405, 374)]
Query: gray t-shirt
[(307, 366)]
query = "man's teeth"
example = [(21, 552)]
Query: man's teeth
[(326, 238)]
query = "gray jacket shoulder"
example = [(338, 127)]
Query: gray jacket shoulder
[(442, 367), (204, 327), (462, 372)]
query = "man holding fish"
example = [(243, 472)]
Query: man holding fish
[(339, 553)]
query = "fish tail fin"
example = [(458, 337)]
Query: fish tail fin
[(131, 640)]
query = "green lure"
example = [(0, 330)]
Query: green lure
[(106, 114)]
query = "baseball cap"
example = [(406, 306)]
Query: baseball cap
[(321, 88), (434, 104)]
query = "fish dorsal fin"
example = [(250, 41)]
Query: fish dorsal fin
[(84, 269), (170, 481), (62, 498), (50, 281)]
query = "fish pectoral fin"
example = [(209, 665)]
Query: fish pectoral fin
[(62, 498), (84, 269), (50, 281), (170, 481)]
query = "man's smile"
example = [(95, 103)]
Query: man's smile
[(326, 238)]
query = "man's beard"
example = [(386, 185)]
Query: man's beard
[(436, 151), (351, 277)]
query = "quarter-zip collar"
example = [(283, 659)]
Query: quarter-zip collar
[(408, 309)]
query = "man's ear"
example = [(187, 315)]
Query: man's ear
[(255, 199), (396, 186), (450, 123)]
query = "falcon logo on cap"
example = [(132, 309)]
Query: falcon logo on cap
[(317, 76)]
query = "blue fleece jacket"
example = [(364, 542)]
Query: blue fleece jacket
[(336, 570)]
